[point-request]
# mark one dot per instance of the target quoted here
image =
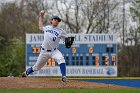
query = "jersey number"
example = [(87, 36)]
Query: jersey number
[(54, 38)]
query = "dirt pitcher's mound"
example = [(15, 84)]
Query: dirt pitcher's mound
[(35, 82)]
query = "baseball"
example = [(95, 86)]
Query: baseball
[(42, 11)]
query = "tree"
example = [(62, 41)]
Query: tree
[(135, 12), (7, 23), (87, 16), (14, 23)]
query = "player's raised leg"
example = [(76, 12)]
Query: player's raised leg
[(42, 59)]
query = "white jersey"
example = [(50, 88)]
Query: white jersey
[(52, 36)]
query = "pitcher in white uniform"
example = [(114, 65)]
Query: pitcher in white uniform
[(49, 47)]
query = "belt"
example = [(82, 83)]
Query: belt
[(48, 50)]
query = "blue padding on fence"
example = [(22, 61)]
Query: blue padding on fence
[(129, 83)]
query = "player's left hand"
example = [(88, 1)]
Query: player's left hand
[(69, 42)]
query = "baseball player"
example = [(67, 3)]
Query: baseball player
[(49, 47)]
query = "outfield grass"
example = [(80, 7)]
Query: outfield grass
[(132, 90)]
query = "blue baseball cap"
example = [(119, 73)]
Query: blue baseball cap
[(56, 17)]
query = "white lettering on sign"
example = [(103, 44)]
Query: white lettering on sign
[(96, 37), (73, 71), (33, 58), (34, 38), (78, 71), (79, 38)]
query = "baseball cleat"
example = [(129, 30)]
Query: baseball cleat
[(24, 74), (64, 79)]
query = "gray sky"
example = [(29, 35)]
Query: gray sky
[(3, 1)]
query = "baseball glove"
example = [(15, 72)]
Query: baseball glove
[(69, 42)]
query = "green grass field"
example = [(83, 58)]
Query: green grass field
[(129, 90)]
